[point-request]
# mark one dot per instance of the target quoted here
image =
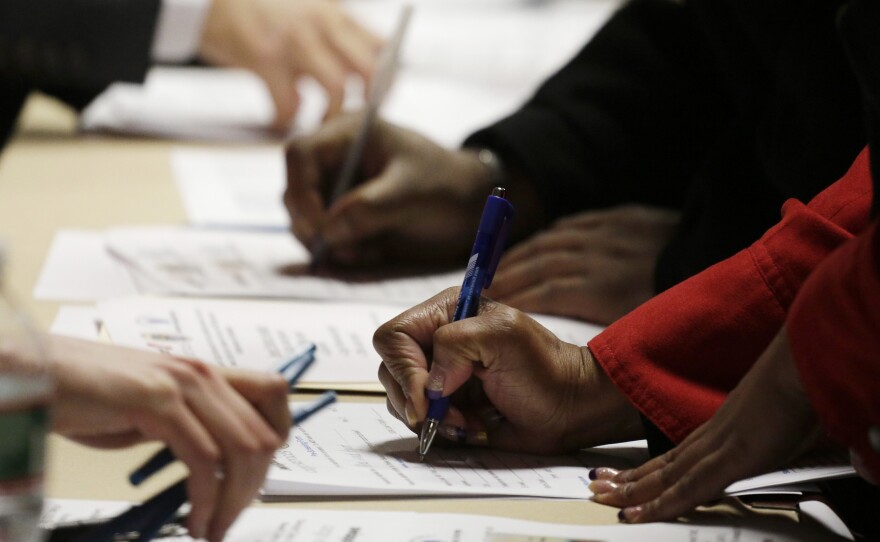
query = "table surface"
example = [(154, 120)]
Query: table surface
[(51, 177)]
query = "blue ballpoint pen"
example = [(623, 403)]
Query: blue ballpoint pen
[(491, 238)]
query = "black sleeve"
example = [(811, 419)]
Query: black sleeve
[(75, 47), (626, 120), (858, 23)]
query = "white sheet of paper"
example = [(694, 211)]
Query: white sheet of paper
[(480, 62), (360, 449), (261, 334), (198, 103), (228, 263), (813, 469), (232, 187), (78, 321), (313, 525), (78, 268)]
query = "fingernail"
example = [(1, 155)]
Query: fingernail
[(630, 515), (453, 433), (436, 381), (337, 232), (604, 473), (592, 474), (600, 487), (477, 438), (410, 411)]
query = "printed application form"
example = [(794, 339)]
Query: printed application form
[(224, 263), (361, 449), (261, 334), (312, 525)]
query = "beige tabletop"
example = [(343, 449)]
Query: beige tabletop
[(51, 178)]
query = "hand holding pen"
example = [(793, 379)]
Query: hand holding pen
[(379, 86), (147, 519), (488, 246)]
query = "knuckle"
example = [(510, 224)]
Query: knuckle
[(625, 492), (164, 390), (667, 476), (276, 388), (208, 456)]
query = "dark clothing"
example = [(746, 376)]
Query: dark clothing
[(720, 108), (70, 48)]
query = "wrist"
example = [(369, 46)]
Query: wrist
[(601, 413)]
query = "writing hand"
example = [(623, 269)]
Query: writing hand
[(415, 202), (514, 385)]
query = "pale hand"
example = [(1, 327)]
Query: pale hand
[(214, 420), (283, 40)]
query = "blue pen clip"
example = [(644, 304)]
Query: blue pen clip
[(504, 210), (293, 369)]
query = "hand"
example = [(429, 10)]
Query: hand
[(282, 40), (514, 385), (213, 420), (765, 422), (417, 202), (595, 266)]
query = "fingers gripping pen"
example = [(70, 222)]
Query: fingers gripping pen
[(488, 246)]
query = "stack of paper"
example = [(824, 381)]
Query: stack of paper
[(360, 449), (310, 525)]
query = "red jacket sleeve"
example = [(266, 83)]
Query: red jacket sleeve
[(677, 356), (834, 332)]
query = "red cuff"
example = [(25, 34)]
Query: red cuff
[(677, 356)]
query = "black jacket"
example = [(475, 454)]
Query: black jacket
[(720, 108), (70, 48)]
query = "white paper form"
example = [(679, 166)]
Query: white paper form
[(813, 468), (261, 334), (226, 263), (311, 525), (232, 187), (78, 321), (199, 103), (360, 449), (78, 268)]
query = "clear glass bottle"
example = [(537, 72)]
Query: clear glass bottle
[(25, 386)]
